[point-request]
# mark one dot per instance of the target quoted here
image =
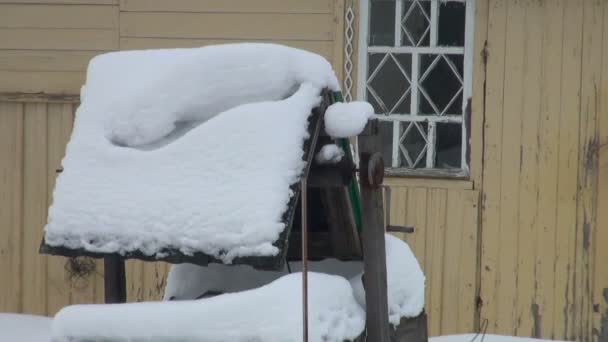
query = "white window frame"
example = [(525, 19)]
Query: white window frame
[(432, 120)]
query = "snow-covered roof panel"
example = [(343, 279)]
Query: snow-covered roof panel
[(191, 151)]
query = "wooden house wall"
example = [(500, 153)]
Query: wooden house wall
[(45, 46)]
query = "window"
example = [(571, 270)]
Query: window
[(416, 60)]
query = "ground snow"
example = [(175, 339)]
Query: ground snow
[(200, 193), (405, 281), (270, 313), (24, 328), (329, 154), (343, 120)]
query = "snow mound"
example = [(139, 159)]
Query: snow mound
[(343, 120), (199, 193), (405, 281), (188, 281), (157, 89), (24, 328), (485, 338), (329, 154), (270, 313)]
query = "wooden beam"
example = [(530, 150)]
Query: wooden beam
[(115, 283), (374, 254)]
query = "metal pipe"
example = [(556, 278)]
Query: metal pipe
[(304, 259)]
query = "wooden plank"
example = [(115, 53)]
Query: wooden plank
[(338, 38), (227, 26), (526, 322), (135, 279), (33, 270), (373, 243), (416, 217), (567, 164), (452, 264), (600, 281), (588, 164), (324, 48), (69, 2), (548, 135), (41, 81), (434, 250), (45, 60), (58, 16), (477, 103), (59, 128), (398, 211), (229, 6), (510, 164), (154, 280), (429, 183), (11, 205), (492, 172), (115, 283), (58, 39), (469, 274)]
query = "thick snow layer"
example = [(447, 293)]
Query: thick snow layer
[(24, 328), (270, 313), (329, 154), (343, 120), (144, 94), (220, 189), (405, 282), (485, 338), (187, 281)]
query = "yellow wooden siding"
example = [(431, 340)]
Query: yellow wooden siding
[(540, 211), (445, 243), (45, 46)]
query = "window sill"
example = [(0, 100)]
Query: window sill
[(433, 178)]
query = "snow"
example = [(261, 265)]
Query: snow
[(172, 149), (343, 120), (329, 154), (485, 338), (188, 281), (405, 281), (270, 313), (24, 328)]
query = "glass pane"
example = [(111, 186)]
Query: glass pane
[(449, 146), (388, 88), (412, 149), (386, 133), (415, 23), (382, 23), (452, 17), (441, 84)]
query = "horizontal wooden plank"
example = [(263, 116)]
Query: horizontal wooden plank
[(45, 60), (323, 48), (58, 39), (61, 2), (66, 82), (58, 16), (227, 26), (232, 6), (39, 98), (429, 183)]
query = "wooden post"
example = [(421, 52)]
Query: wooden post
[(374, 255), (115, 283)]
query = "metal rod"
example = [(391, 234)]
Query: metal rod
[(304, 260)]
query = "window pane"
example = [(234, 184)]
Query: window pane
[(386, 133), (412, 145), (449, 146), (415, 23), (388, 88), (382, 23), (441, 84), (451, 24)]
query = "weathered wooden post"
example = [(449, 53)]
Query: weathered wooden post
[(114, 280), (371, 174)]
